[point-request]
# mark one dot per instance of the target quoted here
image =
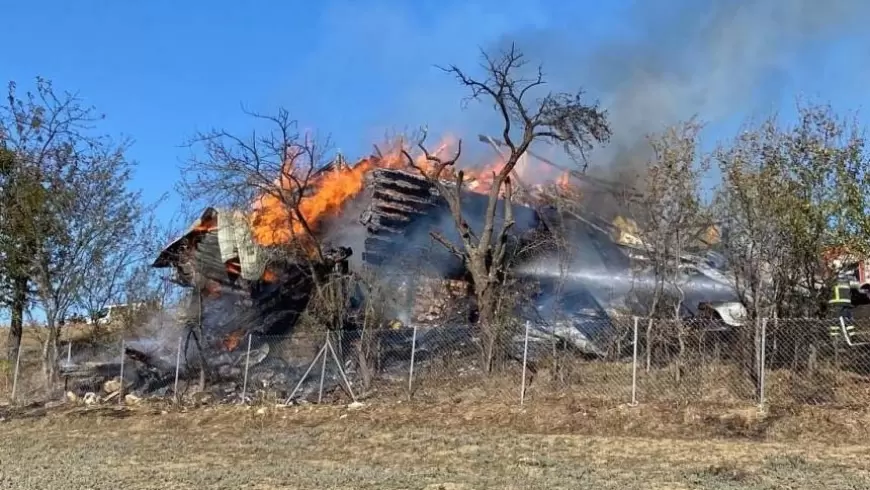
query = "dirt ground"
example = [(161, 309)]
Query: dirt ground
[(464, 445), (454, 435)]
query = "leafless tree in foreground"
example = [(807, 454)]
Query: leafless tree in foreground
[(558, 118), (123, 275), (265, 177), (671, 219), (275, 163), (273, 177)]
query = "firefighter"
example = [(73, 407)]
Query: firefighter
[(841, 300), (841, 297), (841, 307)]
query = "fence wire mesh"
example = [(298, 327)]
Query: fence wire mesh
[(618, 360)]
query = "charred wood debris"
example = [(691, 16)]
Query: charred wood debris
[(228, 307)]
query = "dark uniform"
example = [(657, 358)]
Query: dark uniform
[(841, 307), (841, 300)]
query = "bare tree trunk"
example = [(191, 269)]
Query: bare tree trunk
[(489, 327), (49, 352), (16, 325)]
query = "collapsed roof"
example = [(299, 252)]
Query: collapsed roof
[(399, 211)]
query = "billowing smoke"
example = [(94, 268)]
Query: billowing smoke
[(720, 60), (668, 61)]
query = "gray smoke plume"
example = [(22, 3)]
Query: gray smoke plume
[(159, 337), (718, 59)]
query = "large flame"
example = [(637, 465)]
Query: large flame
[(276, 220), (274, 223), (481, 179)]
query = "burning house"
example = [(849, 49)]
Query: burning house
[(376, 215)]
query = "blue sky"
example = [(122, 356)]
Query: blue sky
[(161, 70)]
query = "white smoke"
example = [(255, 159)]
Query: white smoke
[(160, 337)]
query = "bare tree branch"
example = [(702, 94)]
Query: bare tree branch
[(564, 119), (77, 205)]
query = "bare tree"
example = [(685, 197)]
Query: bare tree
[(671, 218), (559, 118), (280, 171), (123, 273), (277, 164)]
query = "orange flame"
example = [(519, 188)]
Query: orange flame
[(273, 221), (232, 340), (564, 181), (269, 276), (276, 219), (323, 195), (481, 179)]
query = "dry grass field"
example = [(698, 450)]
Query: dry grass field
[(454, 434), (410, 445)]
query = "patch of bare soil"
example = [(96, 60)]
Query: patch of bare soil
[(462, 444)]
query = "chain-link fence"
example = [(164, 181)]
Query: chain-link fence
[(616, 360)]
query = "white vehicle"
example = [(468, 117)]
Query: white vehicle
[(115, 312)]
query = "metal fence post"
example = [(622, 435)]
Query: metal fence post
[(411, 369), (121, 388), (525, 359), (340, 369), (761, 363), (177, 368), (634, 365), (321, 352), (68, 364), (15, 374), (247, 364), (323, 370)]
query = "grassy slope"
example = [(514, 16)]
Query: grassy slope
[(335, 448)]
